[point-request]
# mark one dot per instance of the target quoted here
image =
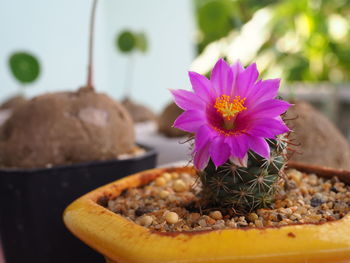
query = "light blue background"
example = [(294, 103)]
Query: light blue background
[(57, 32)]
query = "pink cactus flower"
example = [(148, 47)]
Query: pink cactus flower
[(230, 114)]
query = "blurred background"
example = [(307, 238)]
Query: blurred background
[(304, 42), (56, 32)]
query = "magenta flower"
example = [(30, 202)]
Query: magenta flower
[(230, 114)]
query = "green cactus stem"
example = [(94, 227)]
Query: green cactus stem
[(244, 188)]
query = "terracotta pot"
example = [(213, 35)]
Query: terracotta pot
[(123, 241), (32, 202)]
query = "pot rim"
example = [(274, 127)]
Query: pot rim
[(120, 239), (149, 151)]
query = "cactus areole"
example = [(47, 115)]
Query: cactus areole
[(239, 147)]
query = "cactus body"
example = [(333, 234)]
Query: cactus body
[(244, 188)]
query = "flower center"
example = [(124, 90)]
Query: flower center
[(228, 108)]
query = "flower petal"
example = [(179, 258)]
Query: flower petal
[(240, 162), (202, 136), (245, 80), (190, 121), (201, 86), (267, 128), (219, 151), (260, 146), (239, 145), (266, 109), (236, 69), (221, 78), (262, 90), (187, 100), (201, 157)]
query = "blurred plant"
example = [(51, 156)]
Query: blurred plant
[(297, 40), (90, 66), (24, 67), (309, 40), (216, 18), (128, 43)]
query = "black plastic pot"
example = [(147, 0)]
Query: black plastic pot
[(32, 202)]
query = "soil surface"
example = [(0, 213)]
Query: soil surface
[(168, 204)]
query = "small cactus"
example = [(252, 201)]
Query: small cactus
[(237, 126), (244, 188)]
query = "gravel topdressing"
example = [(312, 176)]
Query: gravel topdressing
[(167, 204)]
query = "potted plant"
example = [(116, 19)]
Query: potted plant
[(238, 203), (53, 149)]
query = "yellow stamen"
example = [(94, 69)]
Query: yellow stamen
[(229, 132), (229, 107)]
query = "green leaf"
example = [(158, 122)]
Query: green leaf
[(215, 20), (24, 67), (141, 42), (126, 41)]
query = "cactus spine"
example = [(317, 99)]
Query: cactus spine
[(244, 188)]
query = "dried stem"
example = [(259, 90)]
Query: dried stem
[(129, 76), (89, 82)]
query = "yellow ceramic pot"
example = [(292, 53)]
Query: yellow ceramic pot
[(122, 241)]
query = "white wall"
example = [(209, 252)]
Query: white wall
[(56, 31), (169, 27)]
